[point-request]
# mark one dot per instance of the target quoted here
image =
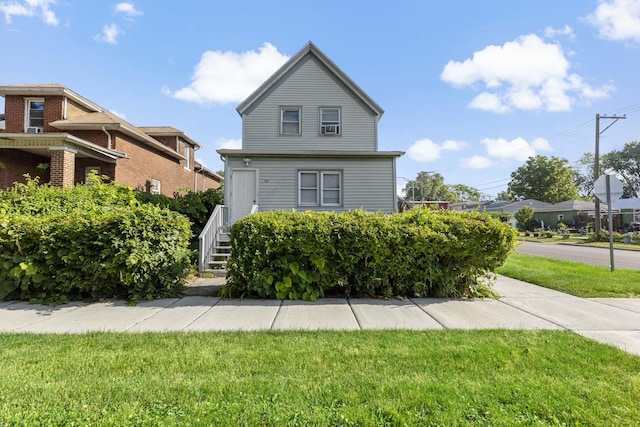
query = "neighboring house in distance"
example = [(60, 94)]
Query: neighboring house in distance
[(572, 213), (49, 124), (309, 142)]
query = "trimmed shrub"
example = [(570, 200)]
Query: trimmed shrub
[(89, 242), (421, 252), (197, 206)]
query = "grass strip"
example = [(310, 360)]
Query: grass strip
[(575, 278), (320, 378)]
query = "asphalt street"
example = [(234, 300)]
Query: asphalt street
[(588, 254)]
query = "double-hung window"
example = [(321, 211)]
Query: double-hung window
[(35, 115), (290, 120), (330, 121), (319, 188)]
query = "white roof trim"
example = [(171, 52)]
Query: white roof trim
[(309, 48)]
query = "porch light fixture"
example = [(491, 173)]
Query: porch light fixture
[(247, 161)]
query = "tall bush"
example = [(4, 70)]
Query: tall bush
[(419, 252), (88, 242)]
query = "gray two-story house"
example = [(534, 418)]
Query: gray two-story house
[(309, 142)]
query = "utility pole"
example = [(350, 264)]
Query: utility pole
[(596, 163)]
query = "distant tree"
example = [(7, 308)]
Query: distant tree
[(584, 176), (626, 164), (523, 216), (428, 186), (546, 179), (220, 172), (464, 193), (506, 196)]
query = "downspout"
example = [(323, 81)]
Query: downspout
[(104, 129), (195, 172)]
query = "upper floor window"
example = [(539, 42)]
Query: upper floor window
[(290, 121), (35, 116), (330, 121), (187, 156)]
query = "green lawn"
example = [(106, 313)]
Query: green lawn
[(317, 378), (572, 277)]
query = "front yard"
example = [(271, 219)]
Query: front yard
[(321, 378)]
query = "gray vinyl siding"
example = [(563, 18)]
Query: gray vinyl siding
[(309, 85), (367, 183)]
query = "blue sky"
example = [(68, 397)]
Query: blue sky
[(470, 89)]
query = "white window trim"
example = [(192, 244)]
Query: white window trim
[(338, 125), (322, 189), (27, 113), (156, 186), (187, 156), (281, 120), (300, 188), (319, 188)]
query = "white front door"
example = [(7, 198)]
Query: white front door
[(244, 193)]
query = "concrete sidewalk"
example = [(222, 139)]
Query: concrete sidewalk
[(612, 321)]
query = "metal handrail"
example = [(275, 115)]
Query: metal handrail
[(208, 237)]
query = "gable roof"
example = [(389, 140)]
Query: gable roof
[(310, 49), (106, 120), (167, 131)]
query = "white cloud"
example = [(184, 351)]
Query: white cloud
[(452, 145), (128, 9), (617, 20), (229, 144), (476, 162), (425, 150), (488, 102), (525, 74), (227, 77), (29, 8), (109, 34), (518, 149), (567, 31), (119, 114)]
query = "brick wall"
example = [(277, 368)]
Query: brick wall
[(63, 167), (17, 163), (14, 114), (53, 110), (146, 163), (83, 163)]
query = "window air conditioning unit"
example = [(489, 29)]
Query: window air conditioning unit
[(330, 129), (34, 129)]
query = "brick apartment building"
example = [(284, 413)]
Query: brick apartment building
[(52, 132)]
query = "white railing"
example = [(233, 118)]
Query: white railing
[(209, 235)]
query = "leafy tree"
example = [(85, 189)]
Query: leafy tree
[(546, 179), (505, 196), (428, 186), (583, 175), (464, 193), (626, 164), (523, 216)]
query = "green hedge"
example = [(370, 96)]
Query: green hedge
[(421, 252), (88, 242)]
